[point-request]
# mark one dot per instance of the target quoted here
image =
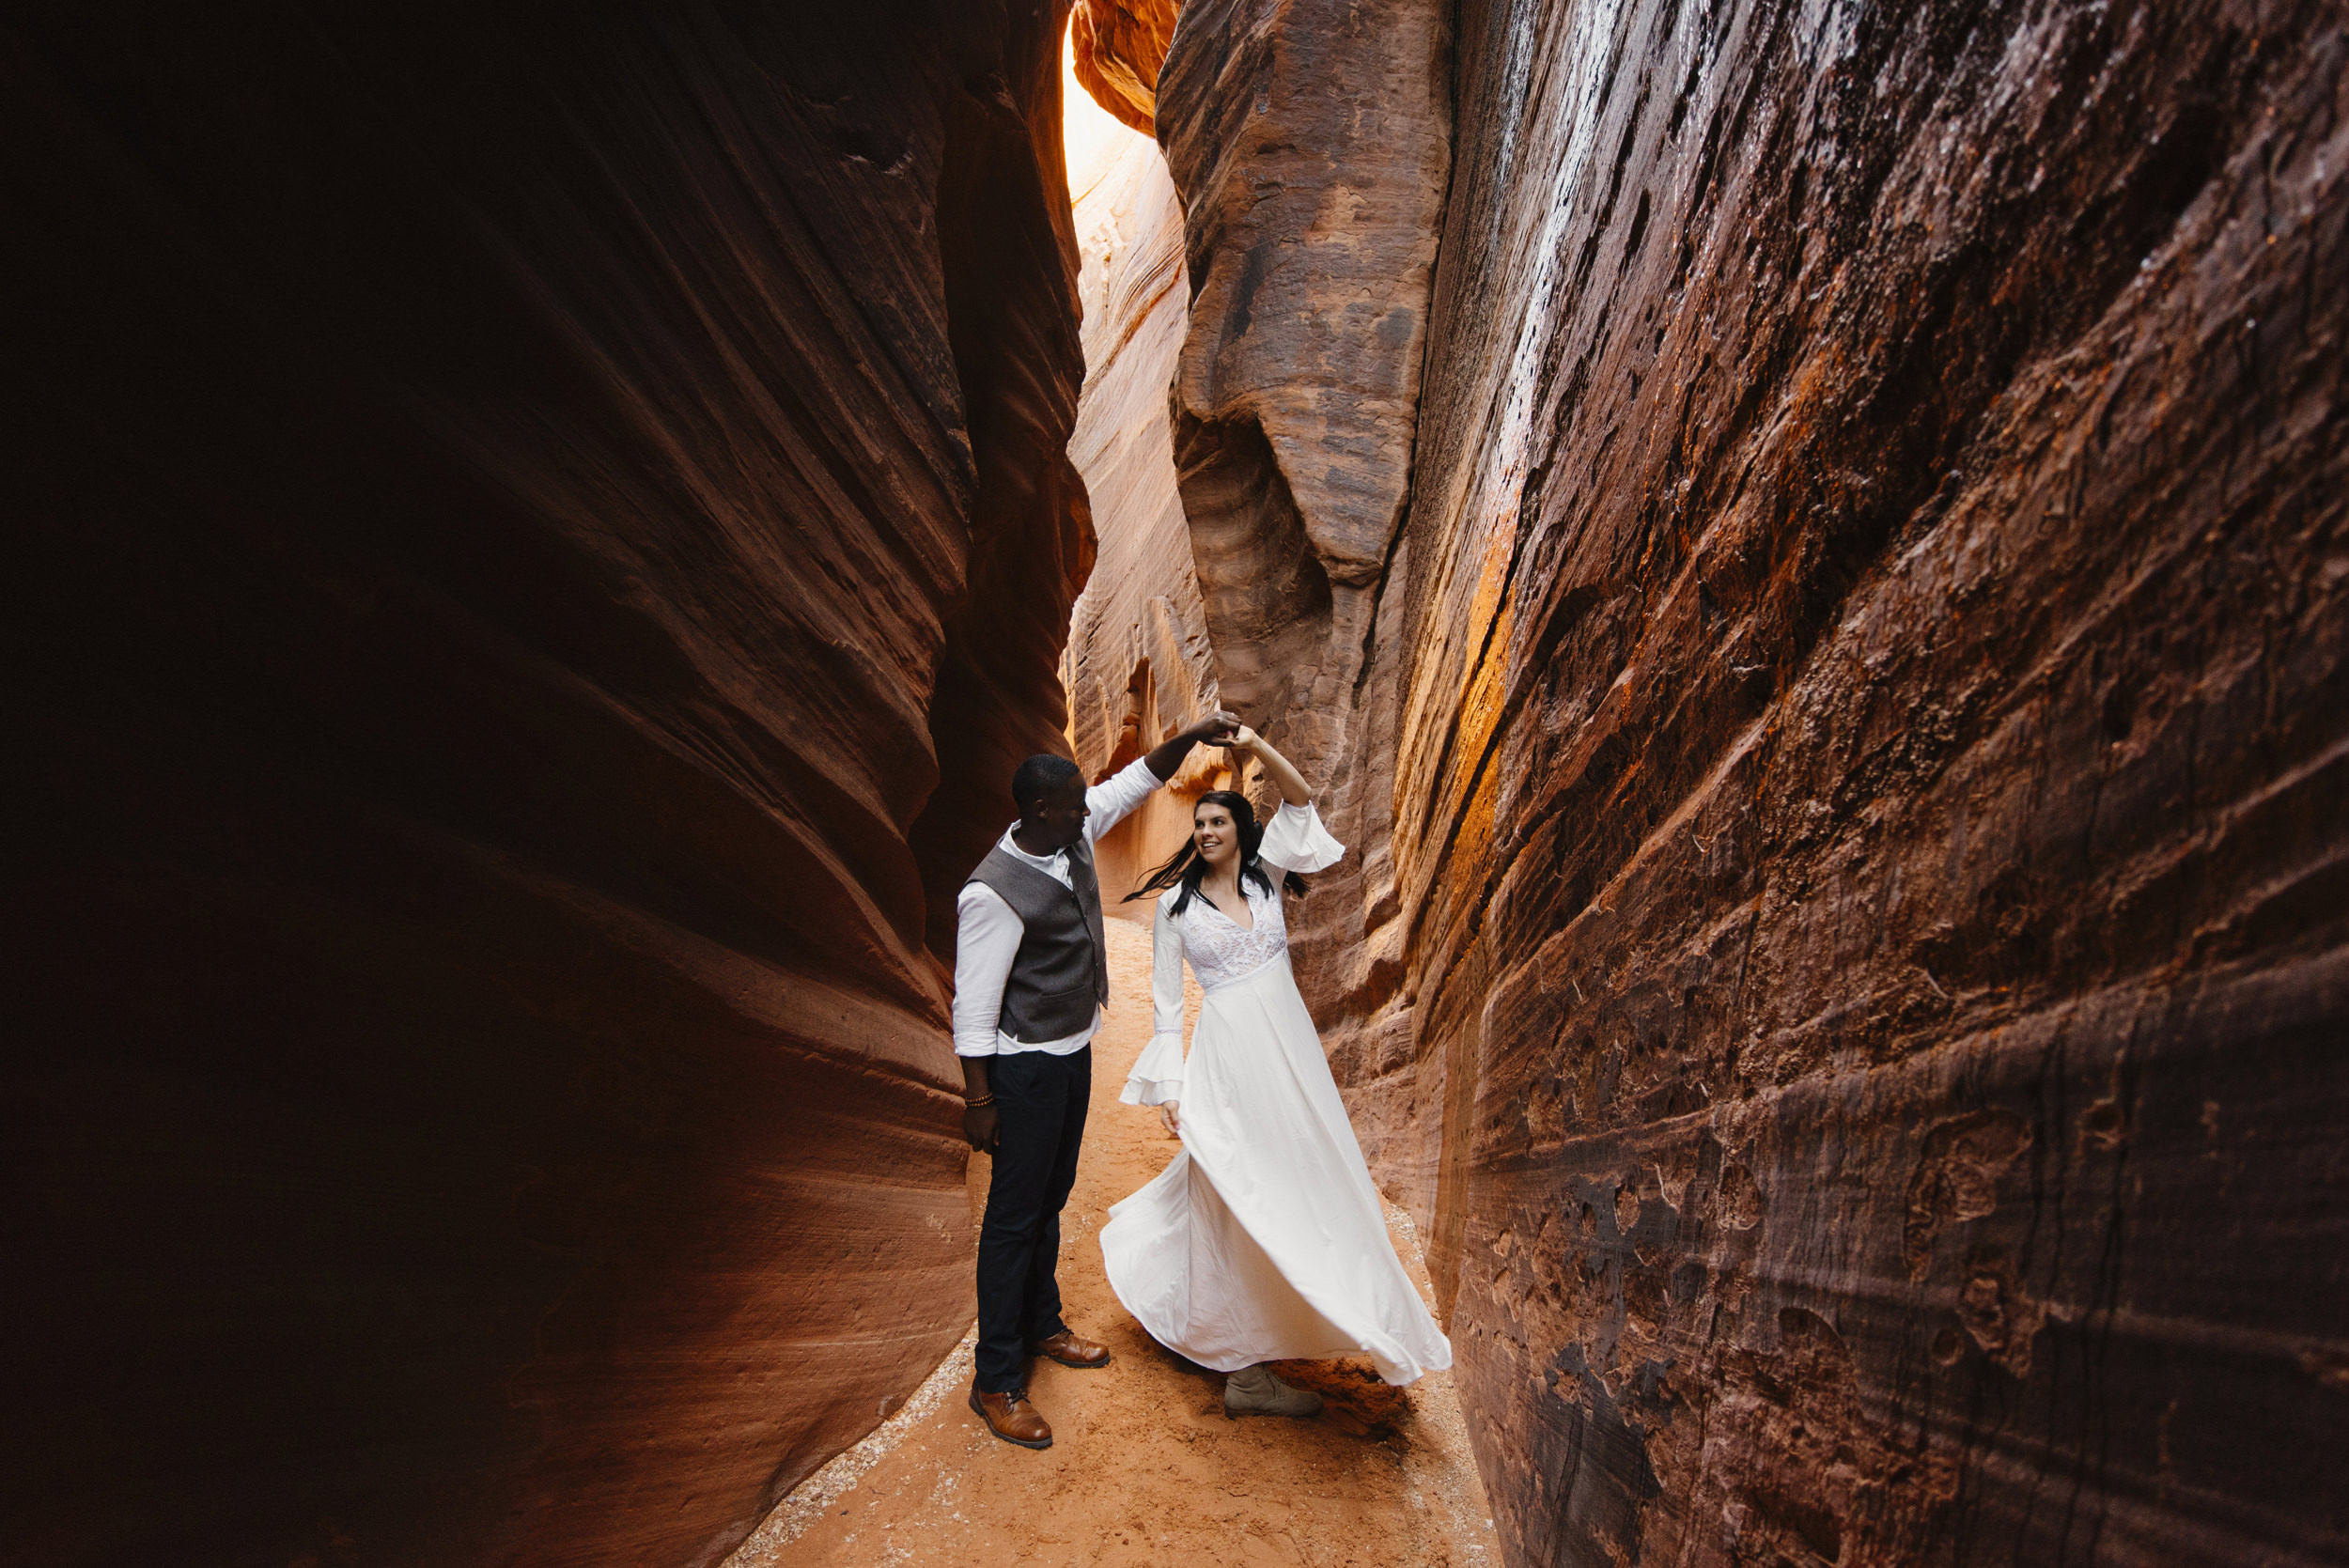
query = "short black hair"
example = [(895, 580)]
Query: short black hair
[(1039, 776)]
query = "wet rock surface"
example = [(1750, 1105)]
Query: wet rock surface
[(515, 520), (1867, 795)]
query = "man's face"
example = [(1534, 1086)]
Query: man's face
[(1059, 819)]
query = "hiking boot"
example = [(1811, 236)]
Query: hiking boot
[(1254, 1391)]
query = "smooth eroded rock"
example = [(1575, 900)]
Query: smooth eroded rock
[(512, 513), (1138, 664), (1119, 46), (1311, 142)]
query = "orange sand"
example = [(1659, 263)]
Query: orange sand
[(1144, 1468)]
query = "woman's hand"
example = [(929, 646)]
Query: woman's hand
[(1219, 723), (1168, 1117), (1242, 739)]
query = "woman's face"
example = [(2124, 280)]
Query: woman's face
[(1216, 834)]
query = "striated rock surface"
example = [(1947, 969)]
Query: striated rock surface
[(510, 516), (1118, 47), (1869, 799), (1008, 249), (1310, 140), (1138, 665)]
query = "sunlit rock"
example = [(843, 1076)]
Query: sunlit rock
[(1138, 665), (1119, 45)]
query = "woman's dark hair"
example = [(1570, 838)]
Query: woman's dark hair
[(1189, 868)]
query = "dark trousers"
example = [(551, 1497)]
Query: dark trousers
[(1041, 1100)]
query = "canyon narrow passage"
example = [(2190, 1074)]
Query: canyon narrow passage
[(1145, 1466), (1802, 548)]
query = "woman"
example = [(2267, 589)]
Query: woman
[(1263, 1239)]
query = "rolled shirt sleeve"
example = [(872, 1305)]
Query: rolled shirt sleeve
[(1157, 1076), (987, 939), (1294, 840)]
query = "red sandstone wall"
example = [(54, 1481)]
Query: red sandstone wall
[(1119, 46), (1869, 789), (1138, 664), (510, 516), (1310, 141), (1862, 673)]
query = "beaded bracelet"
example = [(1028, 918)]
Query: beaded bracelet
[(973, 1105)]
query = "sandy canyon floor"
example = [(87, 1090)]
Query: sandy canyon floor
[(1144, 1467)]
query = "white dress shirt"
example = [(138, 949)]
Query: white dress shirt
[(987, 930)]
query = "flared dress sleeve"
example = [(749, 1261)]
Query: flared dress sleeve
[(1294, 840), (1158, 1073)]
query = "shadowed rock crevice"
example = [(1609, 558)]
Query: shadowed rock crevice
[(1008, 254), (501, 508), (1266, 592), (1311, 143)]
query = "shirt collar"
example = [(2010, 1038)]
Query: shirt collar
[(1042, 863)]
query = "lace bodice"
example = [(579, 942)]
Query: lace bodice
[(1220, 951)]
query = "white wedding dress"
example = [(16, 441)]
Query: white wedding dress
[(1263, 1239)]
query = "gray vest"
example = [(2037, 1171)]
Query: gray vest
[(1062, 971)]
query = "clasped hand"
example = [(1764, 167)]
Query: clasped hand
[(1216, 729)]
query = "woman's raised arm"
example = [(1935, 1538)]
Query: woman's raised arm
[(1283, 773)]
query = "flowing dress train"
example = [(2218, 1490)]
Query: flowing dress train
[(1264, 1238)]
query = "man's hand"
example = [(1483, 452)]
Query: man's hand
[(981, 1124), (1215, 726)]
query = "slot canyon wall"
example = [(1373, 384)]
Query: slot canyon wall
[(1828, 628), (1138, 664), (1310, 141), (1117, 49), (533, 538)]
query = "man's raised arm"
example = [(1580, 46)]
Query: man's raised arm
[(1110, 799)]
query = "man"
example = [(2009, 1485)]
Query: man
[(1031, 976)]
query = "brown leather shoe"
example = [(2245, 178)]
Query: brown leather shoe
[(1011, 1417), (1071, 1350)]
